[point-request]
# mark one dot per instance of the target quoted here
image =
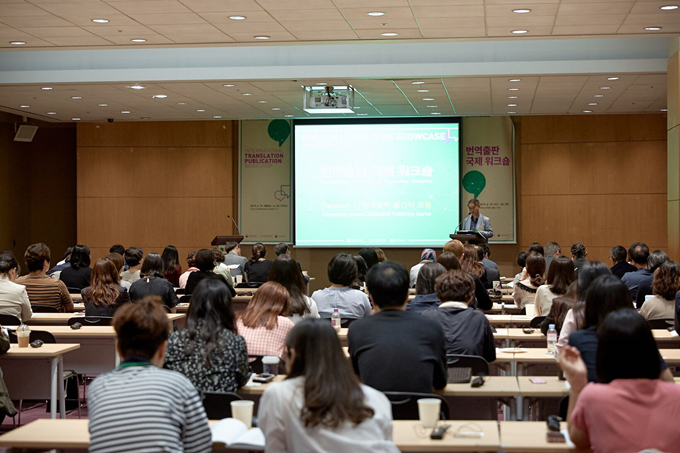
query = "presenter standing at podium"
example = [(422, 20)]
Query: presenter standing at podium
[(476, 221)]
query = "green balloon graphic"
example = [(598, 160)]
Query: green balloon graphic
[(474, 182), (279, 130)]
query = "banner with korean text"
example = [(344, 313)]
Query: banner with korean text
[(488, 173), (265, 181)]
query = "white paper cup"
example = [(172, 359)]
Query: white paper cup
[(428, 411), (239, 279), (497, 285), (243, 410), (270, 364), (531, 310)]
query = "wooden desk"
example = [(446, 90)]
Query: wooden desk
[(508, 308), (37, 373), (529, 437), (239, 303), (533, 393), (671, 356), (499, 320), (61, 319), (76, 298), (78, 307)]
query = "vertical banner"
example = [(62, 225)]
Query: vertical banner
[(488, 172), (265, 181)]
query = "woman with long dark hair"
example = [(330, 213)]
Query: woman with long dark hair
[(425, 295), (525, 290), (351, 303), (257, 268), (171, 264), (105, 294), (204, 260), (321, 406), (153, 282), (560, 275), (286, 272), (78, 274), (209, 351)]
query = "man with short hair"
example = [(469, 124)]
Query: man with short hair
[(233, 259), (618, 256), (282, 249), (492, 275), (41, 289), (536, 247), (552, 250), (396, 350), (578, 256), (487, 255), (477, 222), (639, 253), (467, 330)]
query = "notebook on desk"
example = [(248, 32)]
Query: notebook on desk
[(460, 375)]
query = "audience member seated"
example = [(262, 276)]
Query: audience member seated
[(618, 255), (233, 258), (490, 274), (191, 258), (522, 263), (380, 253), (456, 247), (283, 249), (173, 270), (362, 269), (257, 268), (552, 250), (105, 295), (13, 297), (471, 265), (578, 256), (140, 406), (285, 271), (631, 410), (209, 351), (264, 323), (450, 261), (153, 283), (525, 291), (118, 261), (351, 303), (77, 275), (370, 256), (656, 259), (425, 296), (395, 350), (467, 330), (536, 247), (426, 256), (575, 318), (55, 272), (560, 276), (41, 289), (321, 406), (133, 261), (205, 262), (486, 261), (639, 253), (222, 269), (559, 309), (666, 283)]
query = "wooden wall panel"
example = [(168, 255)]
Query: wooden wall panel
[(157, 134), (595, 128)]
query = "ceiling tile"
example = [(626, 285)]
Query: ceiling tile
[(34, 21), (198, 38), (404, 33), (329, 35), (305, 14), (613, 19), (13, 34), (215, 6), (150, 6), (56, 32), (114, 19), (653, 8), (20, 9), (151, 38), (275, 36), (448, 11), (445, 2), (520, 20), (252, 17), (585, 30), (656, 79), (185, 29), (279, 5), (168, 18), (506, 10), (652, 19), (581, 9), (30, 42), (507, 31), (80, 41), (366, 24), (64, 10), (321, 25), (391, 13), (369, 3), (524, 2), (640, 29), (256, 28), (457, 32), (445, 22), (120, 30)]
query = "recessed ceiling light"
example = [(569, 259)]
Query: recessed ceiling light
[(512, 112), (145, 118), (137, 87), (375, 13), (432, 106), (512, 97), (228, 85), (138, 40), (276, 108), (435, 113), (237, 17), (587, 111), (200, 110), (669, 7), (512, 105), (417, 83), (599, 96), (663, 110), (605, 88), (321, 83), (217, 117), (124, 111), (51, 113), (389, 34), (520, 32), (362, 114), (160, 96), (652, 28), (261, 37), (181, 103), (25, 106), (357, 107), (592, 103), (246, 94), (428, 99), (46, 88), (515, 80), (17, 43), (75, 119), (513, 89), (289, 116), (100, 21), (103, 105), (76, 97), (262, 102), (521, 11), (423, 91), (612, 78)]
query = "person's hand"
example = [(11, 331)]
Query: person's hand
[(574, 368)]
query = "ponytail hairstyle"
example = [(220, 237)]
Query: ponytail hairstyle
[(536, 268), (259, 251)]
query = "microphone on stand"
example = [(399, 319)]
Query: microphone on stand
[(238, 230), (459, 225)]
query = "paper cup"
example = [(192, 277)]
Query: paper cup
[(239, 279), (270, 364), (428, 411), (531, 310), (243, 410)]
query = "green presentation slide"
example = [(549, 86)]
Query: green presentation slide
[(376, 184)]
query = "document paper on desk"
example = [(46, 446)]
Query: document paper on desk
[(234, 434)]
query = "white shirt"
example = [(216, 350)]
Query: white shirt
[(313, 311), (544, 300), (14, 299), (284, 430), (413, 274)]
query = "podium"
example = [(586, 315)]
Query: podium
[(469, 236), (221, 240)]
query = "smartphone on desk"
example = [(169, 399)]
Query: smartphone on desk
[(264, 378)]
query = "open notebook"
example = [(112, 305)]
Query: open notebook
[(234, 434)]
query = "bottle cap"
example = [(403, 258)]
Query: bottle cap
[(551, 326)]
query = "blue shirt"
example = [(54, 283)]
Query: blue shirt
[(422, 302), (351, 303), (632, 280)]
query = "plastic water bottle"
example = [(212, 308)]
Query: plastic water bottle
[(552, 338), (335, 320)]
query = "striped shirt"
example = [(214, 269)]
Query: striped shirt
[(146, 409), (44, 290)]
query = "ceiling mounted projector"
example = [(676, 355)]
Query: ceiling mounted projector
[(328, 100)]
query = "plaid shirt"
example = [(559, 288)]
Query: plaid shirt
[(262, 341)]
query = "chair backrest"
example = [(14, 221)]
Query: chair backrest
[(536, 322), (256, 365), (405, 405), (476, 363), (249, 285), (72, 290), (217, 405), (43, 308), (166, 308), (9, 320), (43, 335), (185, 298), (91, 320), (523, 311), (180, 291), (660, 323)]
